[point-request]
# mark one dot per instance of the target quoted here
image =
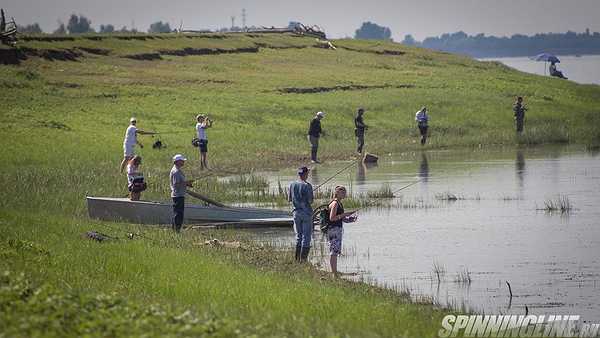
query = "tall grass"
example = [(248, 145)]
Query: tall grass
[(561, 204)]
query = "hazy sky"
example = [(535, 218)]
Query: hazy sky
[(421, 18)]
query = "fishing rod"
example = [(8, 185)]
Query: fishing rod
[(337, 173), (393, 192)]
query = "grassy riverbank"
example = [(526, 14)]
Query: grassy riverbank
[(62, 126)]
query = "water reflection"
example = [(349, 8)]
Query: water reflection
[(314, 177), (424, 168), (520, 168), (361, 170)]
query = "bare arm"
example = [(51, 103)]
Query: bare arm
[(142, 132), (333, 211)]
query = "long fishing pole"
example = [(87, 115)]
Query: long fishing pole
[(334, 175), (393, 192)]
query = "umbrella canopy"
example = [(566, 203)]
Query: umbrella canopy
[(546, 58)]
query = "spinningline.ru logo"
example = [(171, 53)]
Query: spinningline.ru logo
[(516, 326)]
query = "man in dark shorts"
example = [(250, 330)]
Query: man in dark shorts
[(359, 130)]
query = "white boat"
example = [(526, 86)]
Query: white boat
[(149, 212)]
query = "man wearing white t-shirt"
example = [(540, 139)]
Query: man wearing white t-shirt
[(203, 122), (131, 140)]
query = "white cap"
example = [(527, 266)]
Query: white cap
[(133, 119), (179, 157), (320, 114)]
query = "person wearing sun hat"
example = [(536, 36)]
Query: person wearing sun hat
[(314, 133), (131, 140), (178, 189), (301, 197)]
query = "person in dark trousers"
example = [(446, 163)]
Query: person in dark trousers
[(519, 110), (422, 119), (301, 197), (359, 130), (314, 133), (178, 189)]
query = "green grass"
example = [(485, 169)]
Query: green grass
[(62, 126)]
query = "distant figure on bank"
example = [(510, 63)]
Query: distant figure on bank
[(203, 123), (556, 72), (519, 110), (301, 197), (131, 140), (178, 189), (335, 231), (314, 133), (135, 178), (359, 130), (422, 119)]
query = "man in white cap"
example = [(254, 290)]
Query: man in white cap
[(178, 189), (131, 140), (314, 133)]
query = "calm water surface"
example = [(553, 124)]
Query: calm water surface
[(494, 230), (584, 69)]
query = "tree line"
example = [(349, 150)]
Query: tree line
[(480, 45), (80, 24)]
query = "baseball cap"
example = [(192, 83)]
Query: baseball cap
[(133, 119), (179, 157), (303, 170), (320, 114), (199, 116)]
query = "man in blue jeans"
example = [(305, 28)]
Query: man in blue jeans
[(301, 197)]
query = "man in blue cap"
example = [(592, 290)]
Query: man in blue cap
[(301, 197)]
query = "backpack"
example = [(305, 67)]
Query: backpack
[(324, 220)]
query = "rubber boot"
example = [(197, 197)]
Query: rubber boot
[(304, 253), (298, 251)]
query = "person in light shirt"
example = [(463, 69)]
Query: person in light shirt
[(203, 123), (131, 140), (422, 119)]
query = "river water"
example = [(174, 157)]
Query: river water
[(493, 230), (584, 69)]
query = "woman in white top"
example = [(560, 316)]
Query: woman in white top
[(203, 122)]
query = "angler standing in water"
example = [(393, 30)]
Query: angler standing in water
[(301, 197), (335, 230), (359, 130), (423, 123)]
